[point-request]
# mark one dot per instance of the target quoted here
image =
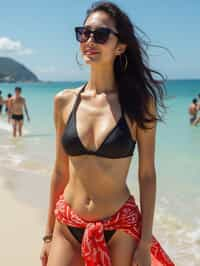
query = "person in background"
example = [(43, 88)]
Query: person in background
[(199, 102), (1, 102), (17, 104), (193, 110), (7, 103), (197, 120)]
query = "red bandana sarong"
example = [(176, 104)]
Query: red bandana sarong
[(94, 249)]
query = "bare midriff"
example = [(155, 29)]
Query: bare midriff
[(97, 186)]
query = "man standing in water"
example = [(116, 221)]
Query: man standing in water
[(17, 103), (193, 110), (1, 102), (199, 101)]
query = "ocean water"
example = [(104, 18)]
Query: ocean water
[(26, 163)]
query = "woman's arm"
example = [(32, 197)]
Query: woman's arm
[(60, 175), (147, 177)]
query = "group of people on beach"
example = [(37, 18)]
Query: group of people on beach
[(193, 110), (15, 105)]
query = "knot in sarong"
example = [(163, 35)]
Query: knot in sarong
[(94, 249)]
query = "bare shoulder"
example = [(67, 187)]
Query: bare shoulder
[(22, 99), (65, 96), (133, 125), (12, 99), (63, 100)]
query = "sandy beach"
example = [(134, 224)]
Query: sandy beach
[(20, 231), (22, 204)]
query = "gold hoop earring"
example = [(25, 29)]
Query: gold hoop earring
[(124, 68), (77, 61)]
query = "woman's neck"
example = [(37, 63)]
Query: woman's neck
[(102, 80)]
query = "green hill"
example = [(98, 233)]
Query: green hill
[(12, 71)]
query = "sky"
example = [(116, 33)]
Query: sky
[(40, 35)]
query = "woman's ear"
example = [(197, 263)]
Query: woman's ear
[(121, 48)]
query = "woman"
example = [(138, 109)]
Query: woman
[(97, 126)]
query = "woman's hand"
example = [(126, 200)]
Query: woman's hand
[(142, 256), (45, 253)]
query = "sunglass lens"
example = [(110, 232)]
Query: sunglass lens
[(82, 34), (101, 35)]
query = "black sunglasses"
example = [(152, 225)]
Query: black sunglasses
[(100, 35)]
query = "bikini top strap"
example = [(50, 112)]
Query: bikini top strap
[(78, 96)]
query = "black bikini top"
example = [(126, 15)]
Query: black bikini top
[(117, 144)]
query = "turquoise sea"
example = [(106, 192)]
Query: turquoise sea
[(26, 164)]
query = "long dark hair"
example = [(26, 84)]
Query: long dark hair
[(137, 86)]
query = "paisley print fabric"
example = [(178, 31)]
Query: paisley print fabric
[(94, 249)]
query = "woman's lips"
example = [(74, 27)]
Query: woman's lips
[(90, 52)]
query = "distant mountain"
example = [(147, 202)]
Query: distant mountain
[(12, 71)]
